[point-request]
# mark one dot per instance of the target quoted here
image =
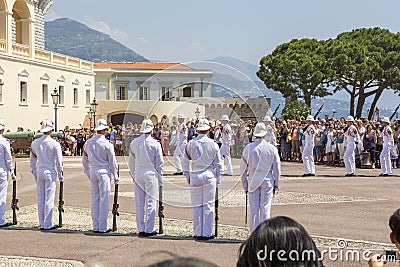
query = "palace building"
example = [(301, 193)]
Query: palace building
[(29, 74), (159, 91)]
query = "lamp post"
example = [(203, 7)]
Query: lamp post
[(197, 113), (55, 96), (94, 109), (90, 114)]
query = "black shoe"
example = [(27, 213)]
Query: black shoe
[(141, 234), (350, 174), (312, 174), (150, 234), (51, 228), (307, 174), (208, 237), (387, 174), (198, 237), (104, 232), (178, 173), (381, 174), (6, 225)]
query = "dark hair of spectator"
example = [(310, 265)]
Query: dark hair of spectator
[(279, 234), (184, 262), (394, 224)]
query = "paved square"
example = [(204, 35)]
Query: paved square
[(339, 212)]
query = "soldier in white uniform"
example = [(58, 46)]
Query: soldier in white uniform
[(351, 138), (6, 166), (260, 171), (46, 164), (99, 164), (203, 177), (181, 140), (307, 156), (270, 136), (226, 138), (146, 166), (388, 144)]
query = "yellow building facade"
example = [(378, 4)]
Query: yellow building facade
[(29, 74)]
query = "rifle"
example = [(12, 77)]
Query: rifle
[(115, 207), (247, 202), (60, 204), (394, 113), (319, 110), (216, 212), (276, 110), (233, 110), (160, 211), (14, 202)]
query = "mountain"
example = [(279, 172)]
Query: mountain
[(69, 37), (246, 68)]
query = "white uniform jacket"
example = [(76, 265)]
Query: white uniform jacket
[(145, 155), (99, 153), (259, 158)]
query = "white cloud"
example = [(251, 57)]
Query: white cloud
[(103, 27), (51, 15)]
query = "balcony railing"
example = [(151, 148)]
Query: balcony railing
[(48, 57), (20, 50), (63, 60)]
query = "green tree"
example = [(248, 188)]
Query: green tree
[(296, 110), (297, 69), (364, 62)]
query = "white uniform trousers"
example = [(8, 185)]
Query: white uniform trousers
[(46, 190), (100, 186), (308, 158), (202, 194), (3, 194), (341, 150), (180, 148), (146, 188), (226, 155), (260, 202), (386, 164), (349, 158)]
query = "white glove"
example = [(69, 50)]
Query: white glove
[(13, 177), (116, 180), (218, 182), (61, 178)]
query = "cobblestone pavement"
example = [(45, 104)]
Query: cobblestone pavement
[(340, 213)]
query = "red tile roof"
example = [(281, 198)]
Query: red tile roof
[(143, 65)]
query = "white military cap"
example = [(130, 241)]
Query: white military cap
[(310, 118), (203, 125), (101, 125), (224, 118), (350, 118), (386, 119), (147, 126), (260, 130), (47, 126)]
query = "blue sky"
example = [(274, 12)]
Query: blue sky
[(178, 30)]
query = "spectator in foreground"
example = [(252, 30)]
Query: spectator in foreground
[(279, 234), (378, 260)]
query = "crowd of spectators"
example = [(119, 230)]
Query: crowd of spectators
[(329, 147)]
